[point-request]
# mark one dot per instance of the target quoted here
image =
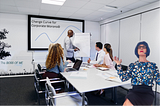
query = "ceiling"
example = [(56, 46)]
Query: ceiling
[(91, 10)]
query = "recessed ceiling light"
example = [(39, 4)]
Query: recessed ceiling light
[(54, 2), (108, 8), (111, 6)]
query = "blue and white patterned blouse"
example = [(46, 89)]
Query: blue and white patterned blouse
[(140, 73)]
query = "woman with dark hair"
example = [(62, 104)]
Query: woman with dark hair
[(55, 63), (142, 74), (108, 58)]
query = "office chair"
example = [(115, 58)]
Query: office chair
[(39, 84), (127, 86), (124, 67), (61, 99), (155, 100), (40, 68)]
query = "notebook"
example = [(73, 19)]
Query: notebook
[(102, 68), (76, 66)]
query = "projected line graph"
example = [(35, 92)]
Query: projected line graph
[(59, 36)]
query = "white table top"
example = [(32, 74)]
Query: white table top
[(95, 79)]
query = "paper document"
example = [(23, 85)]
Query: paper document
[(90, 66), (83, 68), (70, 65), (84, 64), (79, 74), (109, 77), (102, 68)]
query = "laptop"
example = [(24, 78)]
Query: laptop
[(76, 66)]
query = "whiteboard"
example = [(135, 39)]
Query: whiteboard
[(82, 41)]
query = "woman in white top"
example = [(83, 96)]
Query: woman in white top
[(108, 57), (107, 63)]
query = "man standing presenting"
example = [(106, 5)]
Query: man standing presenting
[(99, 54), (69, 48)]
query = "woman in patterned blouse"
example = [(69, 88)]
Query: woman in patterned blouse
[(142, 74)]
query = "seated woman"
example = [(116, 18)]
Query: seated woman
[(142, 73), (55, 63), (108, 58), (107, 63)]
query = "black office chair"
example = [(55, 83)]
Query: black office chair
[(40, 68), (39, 86), (155, 100), (124, 67)]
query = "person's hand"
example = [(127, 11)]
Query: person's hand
[(89, 60), (69, 61), (116, 59), (96, 65), (65, 69), (77, 48)]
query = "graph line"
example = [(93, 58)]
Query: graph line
[(59, 36)]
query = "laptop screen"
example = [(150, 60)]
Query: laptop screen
[(77, 64)]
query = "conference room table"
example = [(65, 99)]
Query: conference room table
[(90, 78)]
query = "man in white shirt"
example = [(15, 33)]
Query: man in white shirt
[(99, 54), (69, 48)]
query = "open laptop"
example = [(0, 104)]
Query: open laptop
[(76, 66)]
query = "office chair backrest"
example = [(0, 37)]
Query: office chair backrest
[(39, 67), (124, 67), (37, 74), (51, 91)]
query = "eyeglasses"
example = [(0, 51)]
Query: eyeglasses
[(143, 47)]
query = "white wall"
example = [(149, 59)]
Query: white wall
[(94, 29), (20, 59), (129, 36), (144, 26), (17, 25), (103, 33), (151, 33), (112, 36)]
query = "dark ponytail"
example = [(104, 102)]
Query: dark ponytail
[(107, 46)]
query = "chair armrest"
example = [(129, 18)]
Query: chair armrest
[(52, 79), (52, 82), (58, 89), (41, 72), (64, 94), (43, 69)]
